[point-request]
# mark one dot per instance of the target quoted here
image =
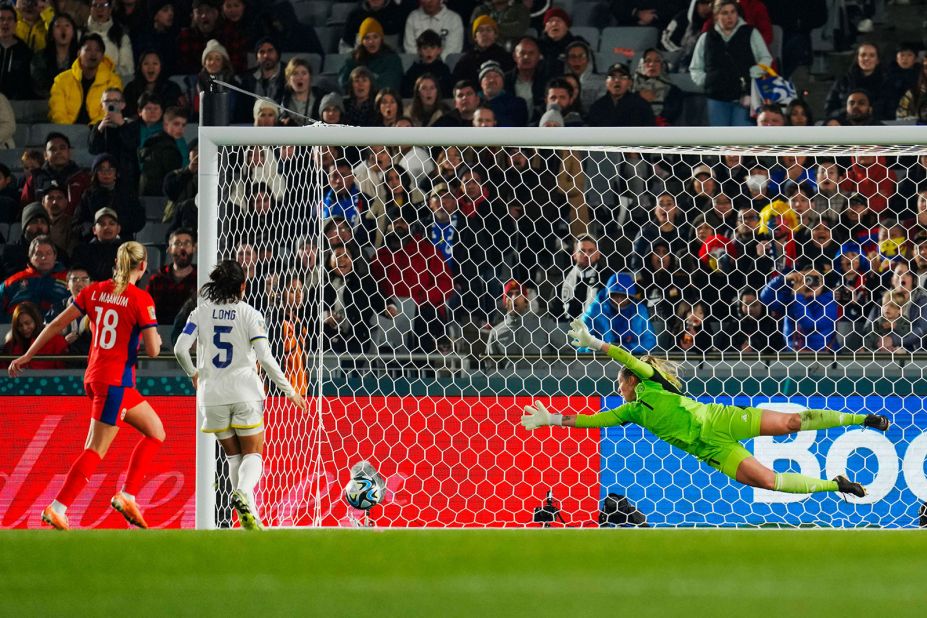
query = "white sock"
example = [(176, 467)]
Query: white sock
[(58, 507), (128, 495), (234, 464), (252, 466)]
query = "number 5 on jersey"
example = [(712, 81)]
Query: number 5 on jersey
[(224, 358)]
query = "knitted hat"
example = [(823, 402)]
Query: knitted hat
[(332, 99), (213, 45), (483, 20), (35, 210), (103, 158), (489, 66), (552, 115), (367, 26), (557, 12), (265, 104)]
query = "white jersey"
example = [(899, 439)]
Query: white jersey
[(225, 357)]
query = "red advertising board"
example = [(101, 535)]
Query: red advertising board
[(448, 461), (46, 435)]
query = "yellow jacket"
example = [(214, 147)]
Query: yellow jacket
[(67, 93), (34, 35)]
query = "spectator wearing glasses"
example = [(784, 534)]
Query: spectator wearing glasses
[(652, 84), (171, 286), (580, 62), (485, 31), (118, 46)]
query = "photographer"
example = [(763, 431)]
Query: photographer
[(116, 135), (806, 307)]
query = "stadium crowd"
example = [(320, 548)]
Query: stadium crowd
[(488, 246)]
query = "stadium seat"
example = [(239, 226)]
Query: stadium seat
[(15, 231), (451, 60), (334, 62), (590, 35), (407, 60), (339, 14), (637, 39), (21, 135), (311, 12), (155, 257), (11, 158), (180, 80), (82, 156), (30, 111), (314, 60), (191, 131), (590, 14), (154, 207), (77, 133), (153, 233), (328, 37)]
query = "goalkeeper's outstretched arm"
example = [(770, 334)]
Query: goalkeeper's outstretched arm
[(537, 415), (582, 338)]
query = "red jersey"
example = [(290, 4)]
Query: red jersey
[(116, 325)]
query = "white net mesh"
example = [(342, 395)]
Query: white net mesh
[(421, 295)]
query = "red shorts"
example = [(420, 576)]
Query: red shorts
[(109, 403)]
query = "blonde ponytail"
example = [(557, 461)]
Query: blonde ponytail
[(666, 368), (129, 255)]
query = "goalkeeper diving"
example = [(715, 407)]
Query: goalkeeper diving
[(653, 398)]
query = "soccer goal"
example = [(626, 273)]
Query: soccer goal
[(418, 285)]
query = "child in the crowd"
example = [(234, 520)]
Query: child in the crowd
[(430, 49), (32, 159), (891, 327)]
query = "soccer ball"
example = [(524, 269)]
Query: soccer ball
[(363, 493)]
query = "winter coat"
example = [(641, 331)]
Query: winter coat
[(67, 93)]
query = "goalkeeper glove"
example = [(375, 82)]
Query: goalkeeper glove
[(580, 336), (538, 416)]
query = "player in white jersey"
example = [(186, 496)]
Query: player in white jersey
[(231, 336)]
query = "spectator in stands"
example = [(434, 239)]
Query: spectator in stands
[(76, 334), (427, 106), (864, 74), (171, 286), (24, 330), (387, 104), (109, 190), (409, 266), (651, 84), (555, 39), (429, 62), (234, 30), (913, 103), (151, 79), (397, 194), (640, 13), (485, 47), (754, 13), (730, 167), (75, 93), (34, 221), (180, 188), (79, 10), (752, 330), (664, 283), (859, 111), (98, 254), (682, 32), (433, 15), (791, 169), (15, 58), (523, 331), (528, 78), (54, 199), (415, 161), (120, 137), (60, 52), (692, 331), (510, 20), (118, 45), (905, 201), (616, 316), (391, 16), (160, 35), (466, 101), (830, 200), (620, 107), (345, 199), (889, 332), (42, 282), (216, 64), (580, 61), (134, 17), (9, 194), (725, 61), (267, 79), (870, 176), (771, 115), (906, 281), (582, 282), (371, 52), (859, 222), (351, 301), (300, 95), (900, 77), (509, 110), (358, 106), (700, 190), (31, 28), (265, 113), (368, 175), (722, 216), (750, 262), (807, 309), (668, 224), (819, 249), (798, 114), (163, 152), (191, 41)]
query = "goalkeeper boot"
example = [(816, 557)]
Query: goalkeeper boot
[(58, 521), (129, 510), (877, 421), (246, 515), (846, 486)]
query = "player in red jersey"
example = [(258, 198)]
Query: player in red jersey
[(120, 316)]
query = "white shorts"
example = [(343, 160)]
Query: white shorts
[(244, 419)]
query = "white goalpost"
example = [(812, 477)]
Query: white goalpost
[(417, 284)]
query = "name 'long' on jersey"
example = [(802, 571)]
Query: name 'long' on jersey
[(225, 358)]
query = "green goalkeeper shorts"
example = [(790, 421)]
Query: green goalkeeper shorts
[(722, 432)]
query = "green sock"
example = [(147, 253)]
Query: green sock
[(825, 419), (793, 483)]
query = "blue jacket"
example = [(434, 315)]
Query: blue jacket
[(630, 328), (810, 323)]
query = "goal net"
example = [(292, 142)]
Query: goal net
[(418, 286)]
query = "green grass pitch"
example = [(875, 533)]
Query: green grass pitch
[(475, 573)]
